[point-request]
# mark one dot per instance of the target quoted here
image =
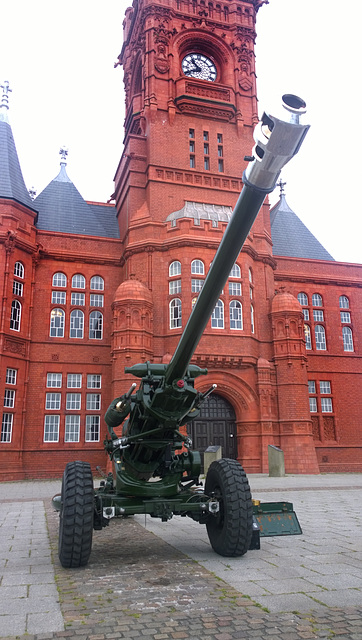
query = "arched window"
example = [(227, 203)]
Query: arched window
[(347, 339), (97, 283), (252, 319), (78, 281), (59, 279), (236, 315), (96, 325), (197, 268), (174, 269), (76, 324), (217, 318), (57, 317), (175, 313), (15, 316), (317, 300), (307, 335), (19, 270), (303, 299), (250, 275), (235, 271), (320, 337), (343, 302)]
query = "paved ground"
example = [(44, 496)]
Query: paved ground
[(162, 581)]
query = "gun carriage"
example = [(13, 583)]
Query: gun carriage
[(155, 471)]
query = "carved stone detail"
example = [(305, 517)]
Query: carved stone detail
[(15, 346)]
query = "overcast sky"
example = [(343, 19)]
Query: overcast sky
[(59, 56)]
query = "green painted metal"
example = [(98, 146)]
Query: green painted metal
[(276, 519)]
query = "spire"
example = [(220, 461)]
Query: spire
[(12, 186)]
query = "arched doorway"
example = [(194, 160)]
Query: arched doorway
[(215, 426)]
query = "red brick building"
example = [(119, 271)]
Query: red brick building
[(90, 288)]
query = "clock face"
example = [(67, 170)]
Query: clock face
[(196, 65)]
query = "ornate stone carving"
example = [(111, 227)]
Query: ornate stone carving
[(15, 346)]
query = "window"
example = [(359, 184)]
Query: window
[(52, 401), (235, 271), (192, 162), (191, 133), (59, 280), (19, 270), (303, 299), (325, 387), (72, 428), (250, 275), (94, 381), (74, 380), (11, 376), (235, 288), (252, 323), (97, 283), (236, 315), (78, 299), (6, 427), (9, 398), (326, 405), (174, 269), (317, 300), (73, 402), (96, 300), (345, 317), (307, 335), (313, 405), (54, 380), (59, 297), (206, 152), (220, 166), (93, 401), (206, 148), (57, 317), (192, 148), (96, 325), (51, 428), (15, 315), (18, 288), (343, 302), (92, 431), (197, 267), (318, 315), (220, 153), (174, 287), (217, 318), (206, 135), (311, 386), (306, 314), (207, 163), (78, 281), (175, 313), (320, 337), (347, 339), (76, 324), (196, 285)]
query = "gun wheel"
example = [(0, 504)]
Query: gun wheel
[(231, 529), (76, 515)]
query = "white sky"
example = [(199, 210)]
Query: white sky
[(59, 56)]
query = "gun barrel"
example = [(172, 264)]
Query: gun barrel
[(276, 142)]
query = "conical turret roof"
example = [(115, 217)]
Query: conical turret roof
[(12, 185), (291, 237)]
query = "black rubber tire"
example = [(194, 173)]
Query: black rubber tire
[(76, 515), (231, 529)]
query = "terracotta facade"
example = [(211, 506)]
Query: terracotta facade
[(177, 181)]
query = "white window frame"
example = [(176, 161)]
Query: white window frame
[(77, 299), (196, 285), (174, 269), (15, 318), (95, 321), (94, 381), (325, 387), (73, 402), (234, 288), (320, 337), (302, 299), (197, 267), (19, 270), (9, 398), (57, 329), (54, 380), (345, 317), (318, 315), (343, 302), (174, 287), (308, 337), (59, 297), (78, 281), (72, 428), (252, 318), (74, 381), (96, 300), (236, 309), (97, 283), (18, 288), (326, 405), (59, 279), (7, 427), (51, 428), (235, 271), (11, 375), (175, 313), (313, 405), (218, 316), (311, 386), (317, 300), (92, 428), (347, 336), (76, 326), (53, 401), (93, 402)]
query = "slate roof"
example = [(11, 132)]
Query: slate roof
[(12, 185), (291, 237), (62, 208)]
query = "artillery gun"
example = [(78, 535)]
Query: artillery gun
[(155, 470)]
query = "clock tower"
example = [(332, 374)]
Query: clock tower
[(191, 107)]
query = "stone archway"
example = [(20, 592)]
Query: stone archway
[(216, 425)]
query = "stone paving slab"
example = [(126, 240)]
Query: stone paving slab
[(140, 585)]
